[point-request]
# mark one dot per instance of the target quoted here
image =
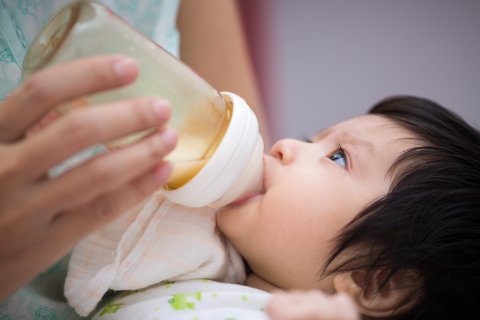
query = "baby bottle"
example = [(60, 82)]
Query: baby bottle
[(219, 154)]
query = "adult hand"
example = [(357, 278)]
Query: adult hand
[(311, 305), (41, 219)]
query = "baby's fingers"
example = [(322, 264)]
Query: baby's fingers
[(53, 86)]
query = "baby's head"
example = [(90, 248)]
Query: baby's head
[(384, 207)]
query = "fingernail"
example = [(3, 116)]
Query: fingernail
[(125, 68), (169, 137), (161, 108), (162, 173)]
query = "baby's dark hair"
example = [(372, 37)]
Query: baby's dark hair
[(429, 221)]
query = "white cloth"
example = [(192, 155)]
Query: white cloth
[(193, 299), (158, 241)]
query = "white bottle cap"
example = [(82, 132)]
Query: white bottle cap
[(235, 168)]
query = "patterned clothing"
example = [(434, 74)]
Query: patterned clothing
[(188, 300)]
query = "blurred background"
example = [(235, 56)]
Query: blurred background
[(322, 61)]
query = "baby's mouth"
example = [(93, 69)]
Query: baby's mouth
[(250, 196)]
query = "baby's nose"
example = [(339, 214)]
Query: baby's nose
[(285, 150)]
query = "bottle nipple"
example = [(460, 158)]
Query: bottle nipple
[(250, 181), (256, 189)]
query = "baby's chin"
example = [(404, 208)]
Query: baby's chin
[(235, 220)]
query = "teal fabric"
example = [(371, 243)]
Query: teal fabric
[(20, 20), (43, 298)]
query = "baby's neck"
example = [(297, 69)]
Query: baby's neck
[(255, 281)]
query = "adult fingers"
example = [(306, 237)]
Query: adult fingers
[(105, 173), (42, 240), (79, 129), (52, 86), (41, 243), (76, 223)]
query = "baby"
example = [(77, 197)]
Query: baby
[(382, 207)]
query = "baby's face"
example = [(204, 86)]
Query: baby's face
[(312, 190)]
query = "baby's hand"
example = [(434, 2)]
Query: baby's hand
[(311, 305)]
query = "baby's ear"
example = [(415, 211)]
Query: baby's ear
[(379, 298)]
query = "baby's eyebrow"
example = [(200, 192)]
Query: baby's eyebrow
[(348, 138), (366, 149), (352, 139)]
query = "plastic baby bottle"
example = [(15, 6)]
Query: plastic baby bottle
[(219, 154)]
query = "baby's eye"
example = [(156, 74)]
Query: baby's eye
[(339, 157)]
